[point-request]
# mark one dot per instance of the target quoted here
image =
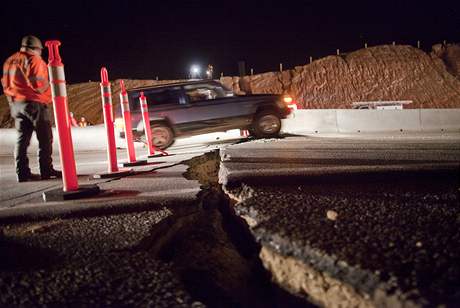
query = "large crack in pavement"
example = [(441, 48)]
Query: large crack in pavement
[(213, 250)]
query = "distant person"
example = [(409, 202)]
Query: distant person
[(26, 85), (83, 122), (73, 121)]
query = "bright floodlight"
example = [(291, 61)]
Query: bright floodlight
[(195, 69)]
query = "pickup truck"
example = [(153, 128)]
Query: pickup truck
[(204, 106)]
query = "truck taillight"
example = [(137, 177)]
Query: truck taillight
[(290, 102)]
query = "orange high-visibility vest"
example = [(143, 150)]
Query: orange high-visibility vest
[(25, 78)]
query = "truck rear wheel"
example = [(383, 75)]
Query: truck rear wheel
[(162, 136), (266, 124)]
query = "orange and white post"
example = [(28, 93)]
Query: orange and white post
[(148, 130), (146, 119), (126, 112), (70, 188), (61, 115), (106, 95)]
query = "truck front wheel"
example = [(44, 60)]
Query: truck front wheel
[(266, 124), (162, 136)]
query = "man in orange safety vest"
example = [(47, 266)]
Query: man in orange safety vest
[(26, 85)]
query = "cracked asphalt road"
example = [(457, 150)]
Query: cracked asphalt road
[(402, 233)]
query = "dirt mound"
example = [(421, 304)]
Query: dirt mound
[(379, 73), (450, 55), (384, 72)]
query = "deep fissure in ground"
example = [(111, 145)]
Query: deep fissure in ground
[(213, 249)]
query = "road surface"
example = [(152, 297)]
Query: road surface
[(357, 220)]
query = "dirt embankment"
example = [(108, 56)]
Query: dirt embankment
[(384, 72), (379, 73)]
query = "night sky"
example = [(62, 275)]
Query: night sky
[(145, 39)]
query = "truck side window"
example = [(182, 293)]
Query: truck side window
[(157, 97), (163, 97), (203, 92), (200, 94)]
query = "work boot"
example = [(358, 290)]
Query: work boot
[(52, 173), (28, 177)]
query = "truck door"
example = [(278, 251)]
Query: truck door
[(209, 108), (161, 103)]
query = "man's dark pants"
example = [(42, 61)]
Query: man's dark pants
[(29, 117)]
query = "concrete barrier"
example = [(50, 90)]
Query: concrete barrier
[(312, 121), (440, 120), (308, 121), (365, 120), (354, 120)]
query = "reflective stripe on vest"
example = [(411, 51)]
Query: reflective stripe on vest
[(38, 78), (12, 72)]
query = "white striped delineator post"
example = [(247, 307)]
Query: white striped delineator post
[(126, 112), (106, 95), (71, 189)]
